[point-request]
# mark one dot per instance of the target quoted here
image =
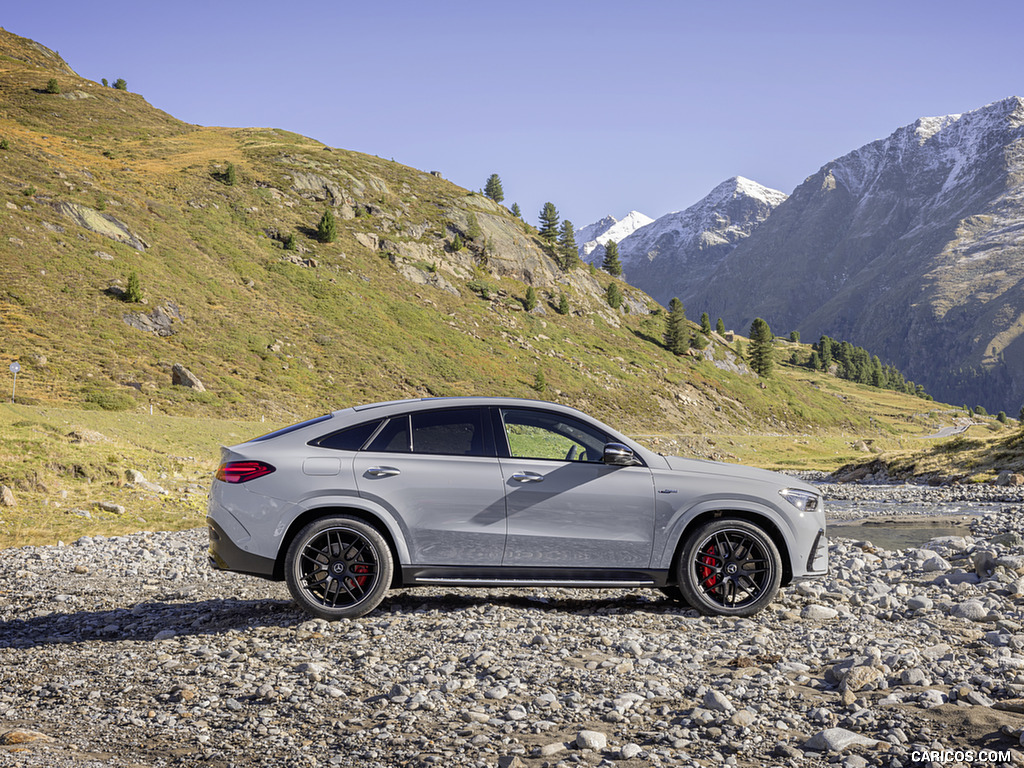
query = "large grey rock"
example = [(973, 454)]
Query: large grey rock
[(837, 740), (7, 497), (160, 321), (591, 740), (817, 612), (183, 377), (717, 701), (973, 610)]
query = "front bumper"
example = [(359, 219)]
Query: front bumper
[(225, 555)]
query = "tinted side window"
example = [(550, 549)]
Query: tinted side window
[(349, 439), (455, 432), (393, 438), (541, 435)]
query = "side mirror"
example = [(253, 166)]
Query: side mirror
[(619, 455)]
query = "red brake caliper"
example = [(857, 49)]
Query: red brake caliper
[(707, 577)]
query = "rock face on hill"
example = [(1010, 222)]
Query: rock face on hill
[(912, 245), (681, 249)]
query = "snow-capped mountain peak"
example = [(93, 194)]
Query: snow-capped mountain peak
[(592, 237)]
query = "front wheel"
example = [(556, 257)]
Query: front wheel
[(729, 568), (338, 568)]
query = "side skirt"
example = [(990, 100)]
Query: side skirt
[(532, 577)]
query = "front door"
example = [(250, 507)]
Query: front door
[(567, 508)]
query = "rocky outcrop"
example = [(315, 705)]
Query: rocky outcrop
[(160, 321), (100, 223), (183, 377)]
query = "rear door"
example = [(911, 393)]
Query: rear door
[(438, 473), (567, 508)]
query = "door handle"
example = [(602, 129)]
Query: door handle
[(527, 477), (383, 471)]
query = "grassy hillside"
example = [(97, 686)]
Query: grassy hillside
[(96, 184)]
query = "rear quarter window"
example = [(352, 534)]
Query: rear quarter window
[(348, 439)]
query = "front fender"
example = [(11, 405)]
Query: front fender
[(677, 523)]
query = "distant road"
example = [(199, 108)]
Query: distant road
[(960, 426)]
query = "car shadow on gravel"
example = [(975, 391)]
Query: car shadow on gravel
[(149, 621), (157, 620)]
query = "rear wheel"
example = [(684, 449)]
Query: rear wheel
[(729, 568), (338, 568)]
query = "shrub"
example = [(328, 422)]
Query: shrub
[(540, 383), (120, 84), (289, 242), (563, 305), (108, 400), (230, 175), (4, 144), (1001, 417), (104, 81), (457, 244), (52, 86)]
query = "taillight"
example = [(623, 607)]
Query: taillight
[(242, 471)]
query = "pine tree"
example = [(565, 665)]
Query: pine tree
[(705, 323), (677, 335), (720, 327), (761, 347), (230, 175), (794, 336), (611, 263), (540, 382), (614, 295), (457, 244), (567, 250), (815, 362), (289, 242), (121, 84), (327, 229), (493, 188), (1020, 416), (530, 302), (104, 81), (133, 294), (549, 222), (698, 341), (1001, 417), (563, 305), (515, 211), (52, 86)]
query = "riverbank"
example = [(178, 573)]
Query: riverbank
[(129, 650)]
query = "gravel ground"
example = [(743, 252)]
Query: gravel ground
[(129, 651)]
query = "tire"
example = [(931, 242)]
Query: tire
[(729, 567), (338, 568)]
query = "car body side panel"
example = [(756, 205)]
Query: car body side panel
[(453, 507), (578, 514)]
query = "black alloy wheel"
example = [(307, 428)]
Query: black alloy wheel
[(729, 567), (338, 567)]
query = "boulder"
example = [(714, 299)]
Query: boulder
[(591, 740), (183, 377), (837, 740), (7, 497)]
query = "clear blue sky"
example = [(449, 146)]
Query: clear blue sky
[(599, 107)]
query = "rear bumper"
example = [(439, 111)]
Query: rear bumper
[(225, 555)]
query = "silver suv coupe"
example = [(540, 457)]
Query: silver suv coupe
[(499, 492)]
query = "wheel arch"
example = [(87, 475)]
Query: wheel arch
[(764, 522), (318, 513)]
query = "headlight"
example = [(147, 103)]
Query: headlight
[(802, 500)]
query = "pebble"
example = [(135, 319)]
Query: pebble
[(156, 659)]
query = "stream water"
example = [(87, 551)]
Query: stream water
[(900, 525)]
